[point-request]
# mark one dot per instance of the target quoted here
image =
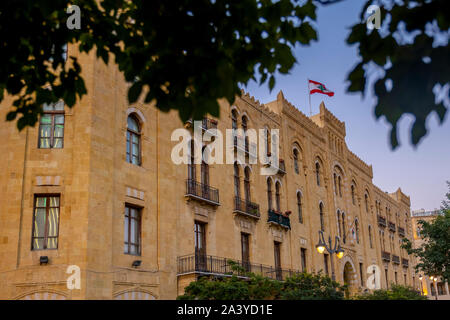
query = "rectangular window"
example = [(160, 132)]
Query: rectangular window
[(325, 262), (45, 223), (200, 246), (51, 126), (245, 248), (132, 230), (361, 274), (277, 255), (303, 257), (387, 279)]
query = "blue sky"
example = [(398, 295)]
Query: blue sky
[(421, 172)]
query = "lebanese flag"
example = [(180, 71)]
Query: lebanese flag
[(317, 87)]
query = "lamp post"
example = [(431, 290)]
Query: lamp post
[(322, 245)]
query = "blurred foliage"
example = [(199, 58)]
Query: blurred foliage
[(396, 292), (242, 285), (434, 254), (411, 48), (192, 53)]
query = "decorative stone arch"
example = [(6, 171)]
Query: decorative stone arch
[(278, 180), (271, 179), (43, 294), (337, 164), (234, 107), (134, 294), (138, 113), (244, 114), (349, 274), (318, 158)]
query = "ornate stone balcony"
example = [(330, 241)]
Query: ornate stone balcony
[(405, 263), (279, 219), (381, 221), (392, 226), (202, 192), (395, 259), (401, 231), (385, 256), (246, 208)]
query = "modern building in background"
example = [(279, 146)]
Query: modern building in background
[(431, 286), (95, 187)]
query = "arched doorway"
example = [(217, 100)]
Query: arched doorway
[(349, 278)]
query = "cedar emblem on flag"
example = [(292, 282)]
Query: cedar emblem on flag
[(317, 87)]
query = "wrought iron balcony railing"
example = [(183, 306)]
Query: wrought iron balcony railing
[(401, 231), (395, 259), (405, 263), (202, 192), (381, 221), (218, 266), (386, 256), (247, 208), (279, 219), (392, 226)]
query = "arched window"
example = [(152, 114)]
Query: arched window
[(205, 170), (244, 128), (318, 173), (370, 237), (133, 141), (353, 194), (237, 183), (296, 169), (278, 196), (269, 194), (357, 231), (322, 222), (191, 165), (343, 227), (299, 207), (234, 124), (366, 201), (267, 138), (340, 186), (339, 224), (335, 184), (247, 184)]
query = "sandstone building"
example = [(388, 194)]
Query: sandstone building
[(432, 287), (95, 187)]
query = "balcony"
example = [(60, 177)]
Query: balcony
[(202, 192), (218, 266), (401, 232), (381, 221), (280, 219), (246, 208), (395, 259), (405, 263), (385, 256), (392, 226)]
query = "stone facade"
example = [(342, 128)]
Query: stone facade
[(94, 181)]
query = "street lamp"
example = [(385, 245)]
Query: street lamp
[(321, 246)]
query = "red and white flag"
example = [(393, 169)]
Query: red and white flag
[(317, 87)]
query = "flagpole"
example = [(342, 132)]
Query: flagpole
[(309, 94)]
